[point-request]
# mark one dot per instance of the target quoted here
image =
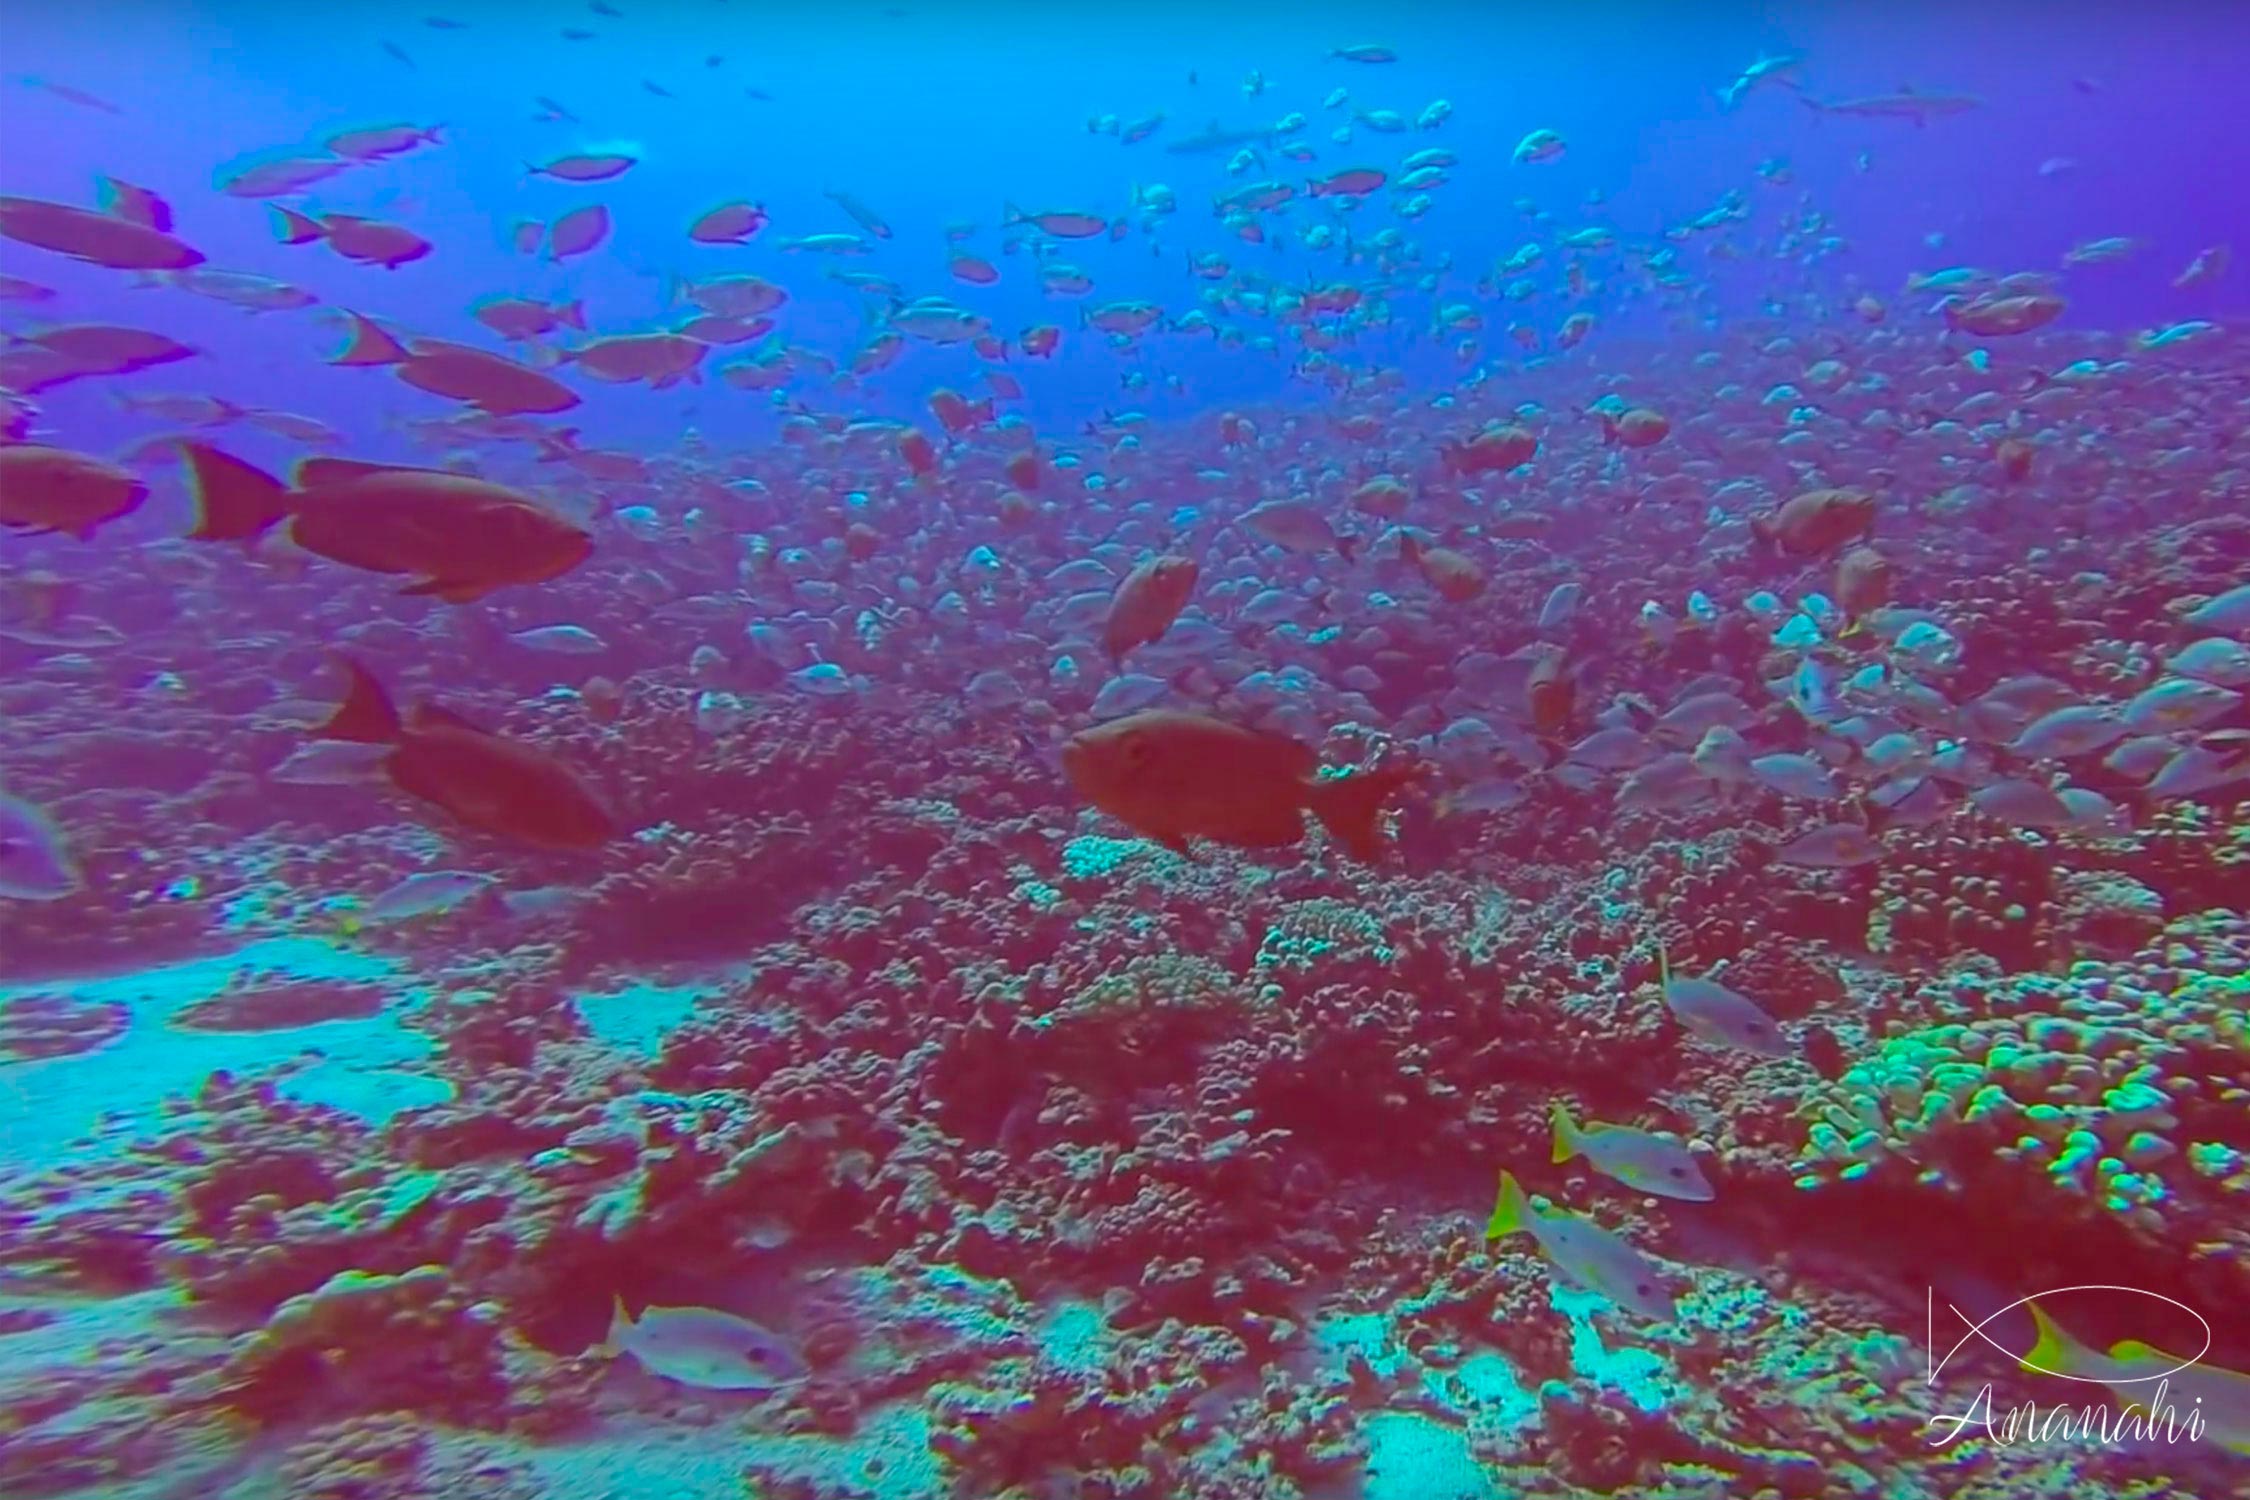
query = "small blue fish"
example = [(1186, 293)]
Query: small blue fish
[(561, 640), (1719, 1015), (426, 894), (701, 1346), (1129, 693), (2229, 612), (993, 690), (1832, 846), (1491, 794), (331, 763), (2023, 802), (35, 863), (823, 679), (1798, 776)]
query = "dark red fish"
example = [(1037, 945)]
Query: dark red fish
[(377, 142), (728, 224), (1549, 694), (486, 381), (575, 233), (1454, 575), (115, 240), (275, 179), (584, 168), (1146, 603), (371, 242), (1172, 776), (463, 536), (106, 349), (1817, 521), (498, 786), (46, 489)]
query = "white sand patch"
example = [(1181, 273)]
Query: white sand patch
[(367, 1065)]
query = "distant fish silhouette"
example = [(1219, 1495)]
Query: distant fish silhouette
[(1215, 139), (1906, 104)]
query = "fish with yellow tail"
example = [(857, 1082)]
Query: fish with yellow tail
[(1583, 1251), (2140, 1373), (1641, 1159)]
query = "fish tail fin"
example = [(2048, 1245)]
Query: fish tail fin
[(234, 501), (366, 714), (1010, 214), (1568, 1142), (2055, 1352), (1348, 547), (573, 313), (294, 228), (612, 1340), (1349, 805), (1663, 963), (369, 345), (1509, 1210)]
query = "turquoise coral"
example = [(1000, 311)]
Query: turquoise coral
[(2076, 1081)]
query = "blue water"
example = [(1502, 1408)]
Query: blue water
[(940, 113)]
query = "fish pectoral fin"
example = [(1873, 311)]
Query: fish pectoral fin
[(434, 716)]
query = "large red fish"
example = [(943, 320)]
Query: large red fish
[(494, 785), (128, 238), (463, 536), (1817, 521), (45, 489), (1172, 776)]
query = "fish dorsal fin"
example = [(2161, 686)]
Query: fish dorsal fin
[(437, 716), (366, 714), (1569, 1141), (620, 1324), (321, 473)]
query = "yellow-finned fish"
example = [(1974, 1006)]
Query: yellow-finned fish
[(1583, 1251), (1642, 1160), (2220, 1397)]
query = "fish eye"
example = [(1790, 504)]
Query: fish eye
[(1675, 1171), (1643, 1289)]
